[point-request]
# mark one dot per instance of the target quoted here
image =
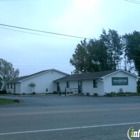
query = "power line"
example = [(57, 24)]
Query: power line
[(5, 28), (41, 31), (39, 34), (133, 1)]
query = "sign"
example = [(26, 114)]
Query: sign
[(131, 133), (119, 81)]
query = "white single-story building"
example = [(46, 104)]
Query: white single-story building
[(42, 80), (99, 82), (51, 80)]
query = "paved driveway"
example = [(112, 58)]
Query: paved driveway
[(69, 118)]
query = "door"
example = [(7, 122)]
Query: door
[(14, 87), (79, 86), (58, 87)]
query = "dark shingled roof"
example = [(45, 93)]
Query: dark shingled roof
[(94, 75), (24, 77)]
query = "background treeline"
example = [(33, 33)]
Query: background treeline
[(110, 52), (7, 73)]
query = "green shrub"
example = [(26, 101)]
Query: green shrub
[(88, 94), (3, 92), (121, 90), (55, 92), (33, 93), (138, 89), (128, 93), (16, 94), (108, 94), (134, 94), (138, 94), (95, 95), (121, 94), (113, 94)]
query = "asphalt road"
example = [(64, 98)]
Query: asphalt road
[(69, 118)]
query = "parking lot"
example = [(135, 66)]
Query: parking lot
[(43, 117)]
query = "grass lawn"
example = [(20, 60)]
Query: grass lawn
[(8, 101)]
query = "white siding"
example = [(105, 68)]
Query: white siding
[(73, 84), (88, 87), (62, 86), (131, 87), (9, 88), (17, 87), (45, 80), (42, 81)]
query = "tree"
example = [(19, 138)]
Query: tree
[(89, 56), (81, 59), (31, 87), (98, 55), (114, 43), (7, 71), (132, 49), (0, 82)]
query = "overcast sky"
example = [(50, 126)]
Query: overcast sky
[(32, 52)]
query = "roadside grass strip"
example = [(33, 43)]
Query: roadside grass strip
[(8, 101)]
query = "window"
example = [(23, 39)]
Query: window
[(80, 83), (67, 84), (58, 87), (95, 83), (8, 86), (79, 86), (46, 89), (11, 85), (14, 85)]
